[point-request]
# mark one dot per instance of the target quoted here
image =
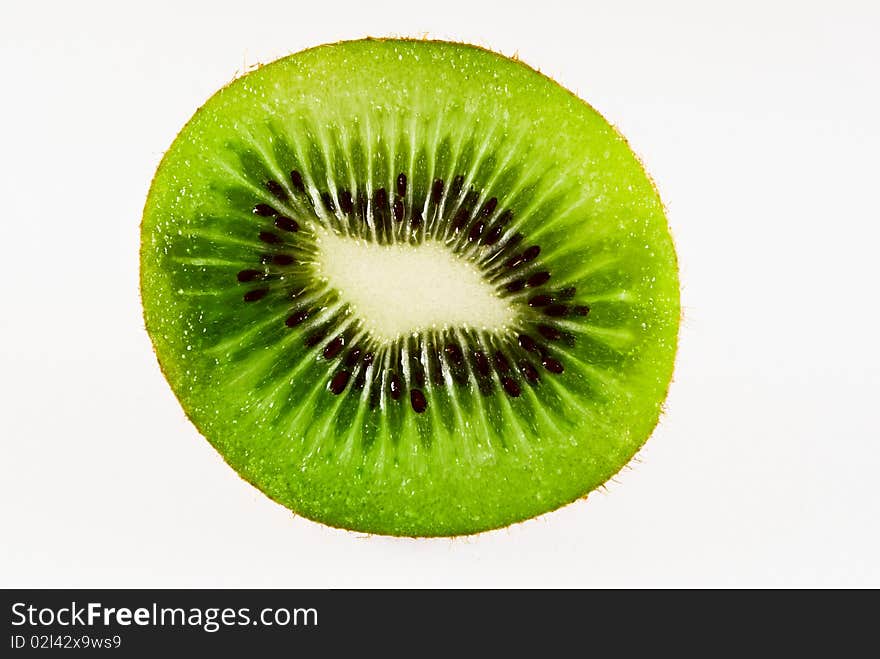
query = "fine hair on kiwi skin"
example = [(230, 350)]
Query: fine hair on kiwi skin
[(406, 400)]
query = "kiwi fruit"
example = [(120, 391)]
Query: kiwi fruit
[(410, 287)]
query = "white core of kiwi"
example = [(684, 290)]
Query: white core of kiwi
[(401, 289)]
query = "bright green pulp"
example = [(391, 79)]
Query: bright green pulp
[(359, 112)]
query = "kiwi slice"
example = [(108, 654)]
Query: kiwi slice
[(410, 287)]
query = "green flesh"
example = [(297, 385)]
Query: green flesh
[(353, 116)]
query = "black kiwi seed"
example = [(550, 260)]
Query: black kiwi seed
[(380, 197), (549, 333), (286, 223), (501, 362), (457, 185), (531, 253), (552, 365), (489, 207), (297, 180), (461, 218), (401, 184), (256, 294), (582, 310), (417, 371), (417, 399), (264, 210), (540, 301), (345, 202), (351, 359), (436, 370), (339, 381), (276, 189), (437, 191), (283, 259), (511, 387), (482, 363), (538, 279), (476, 230), (249, 275), (453, 353), (528, 343), (514, 262), (295, 319), (556, 310), (269, 237), (416, 220), (327, 200), (394, 386), (497, 229), (368, 359), (529, 372), (398, 209), (494, 234), (334, 347)]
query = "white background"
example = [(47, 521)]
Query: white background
[(758, 121)]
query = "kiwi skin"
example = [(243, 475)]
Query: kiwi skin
[(277, 492)]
